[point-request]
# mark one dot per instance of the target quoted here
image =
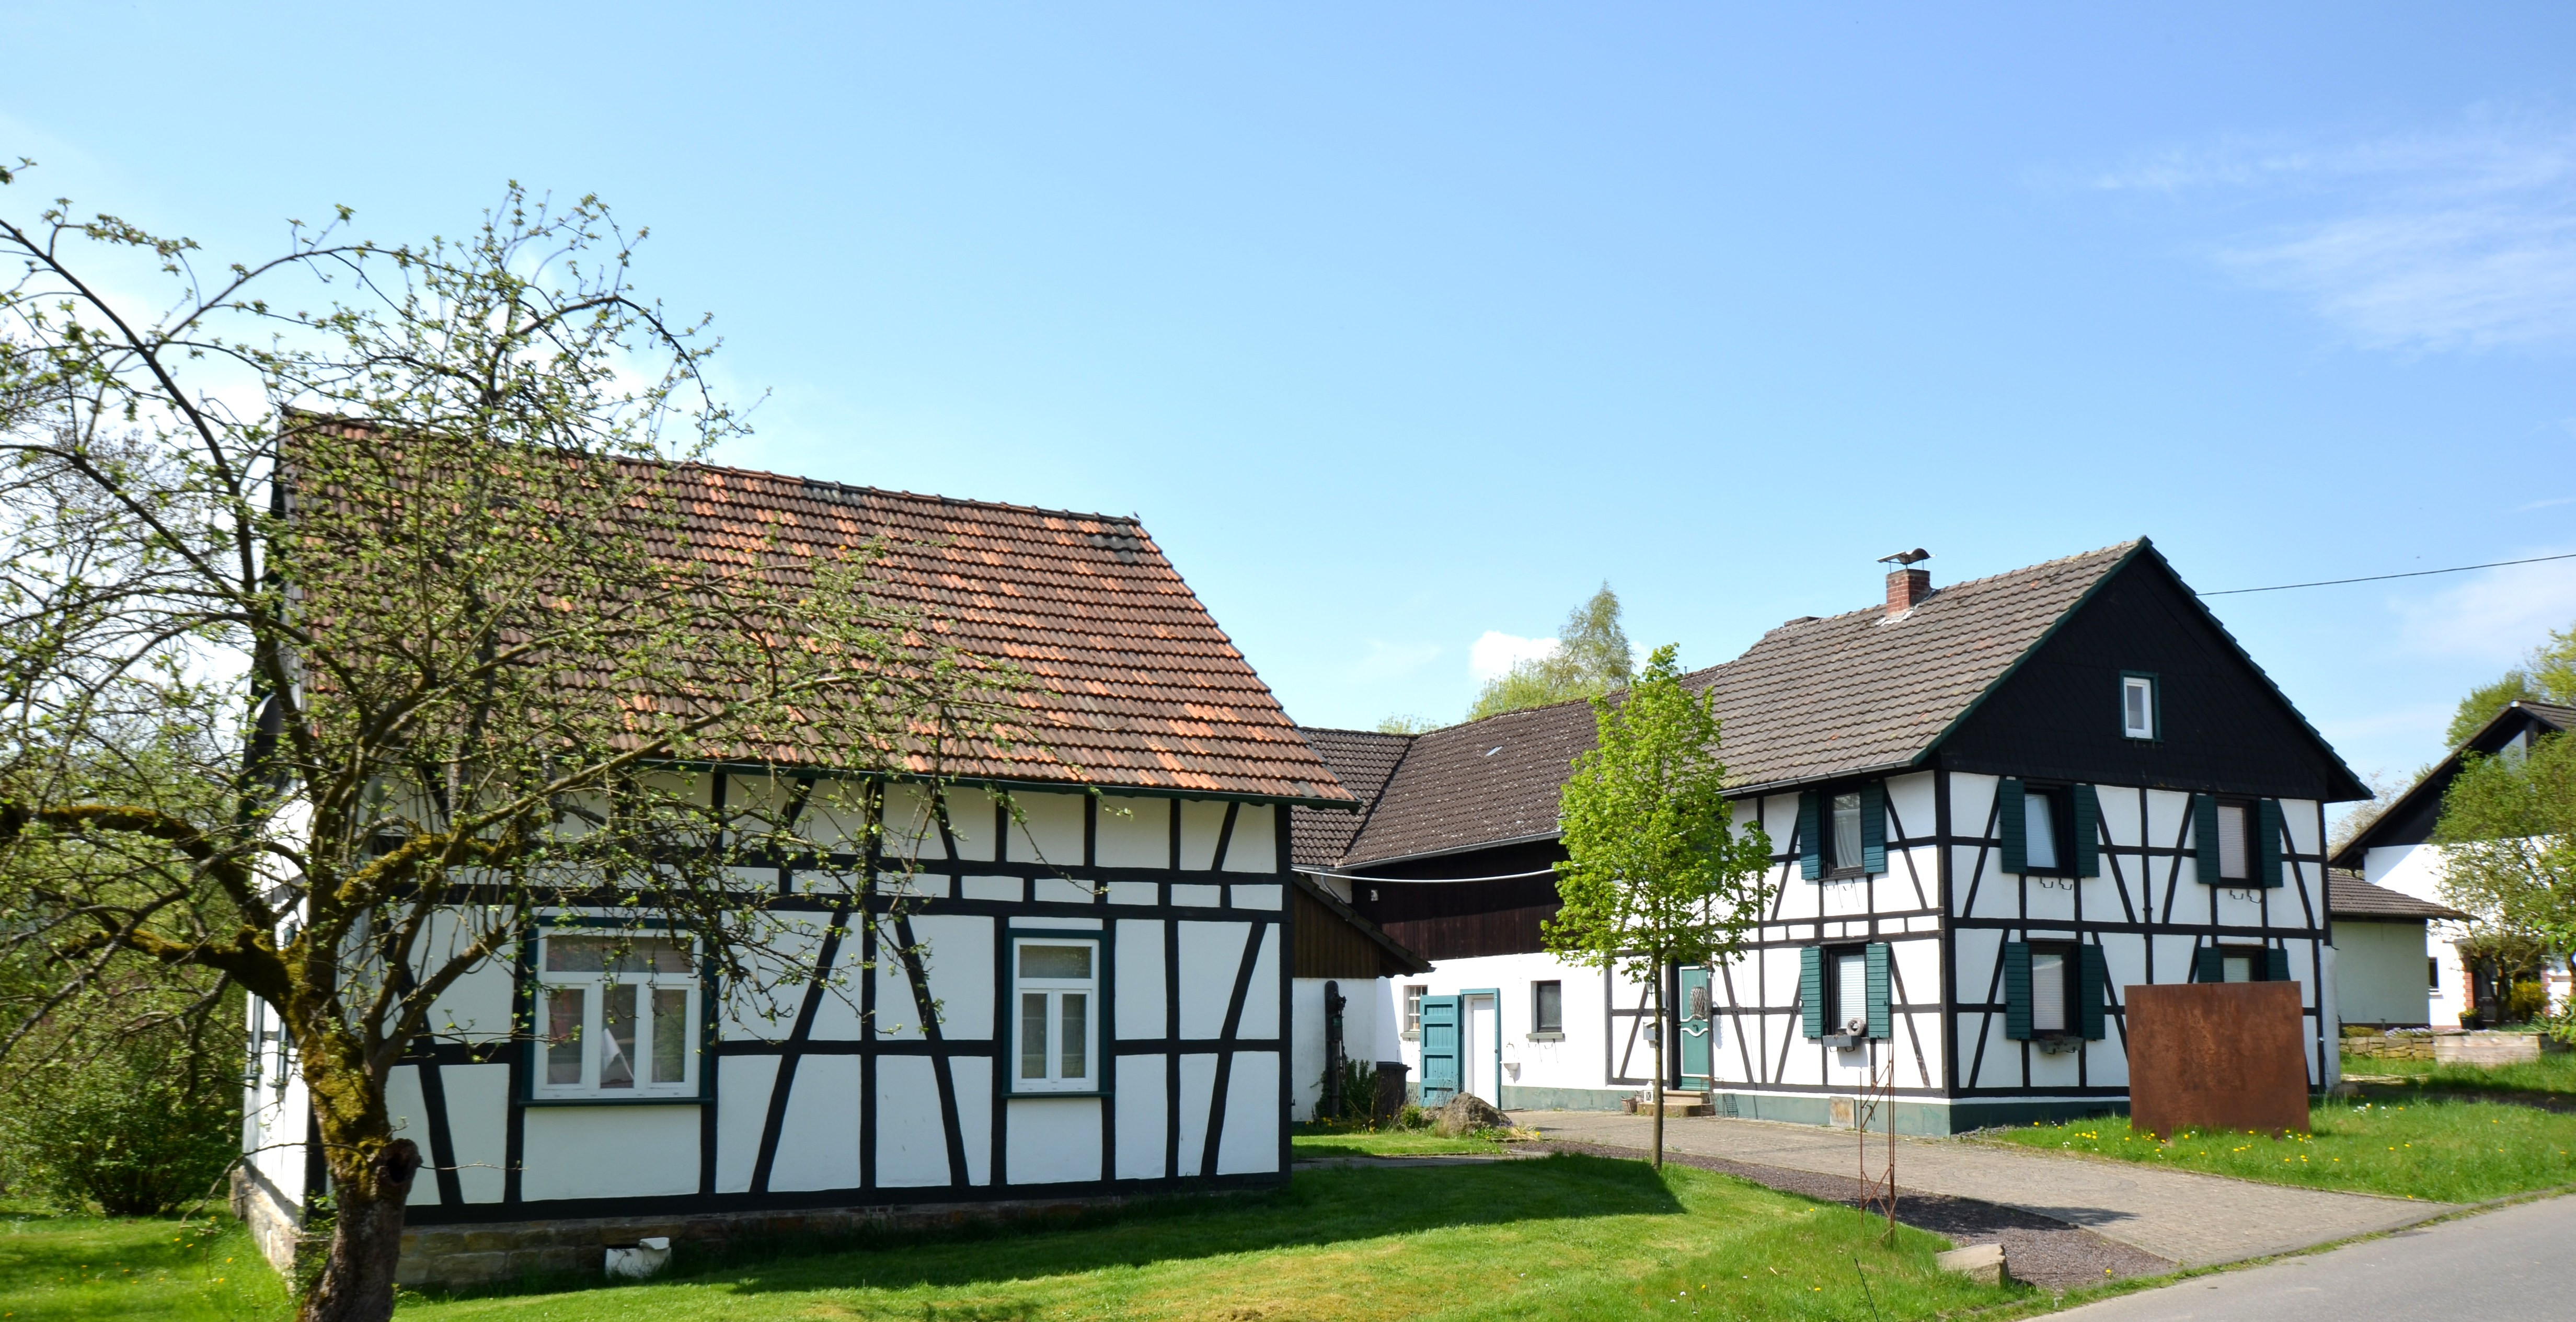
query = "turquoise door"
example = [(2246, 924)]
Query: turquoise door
[(1440, 1063), (1695, 1017)]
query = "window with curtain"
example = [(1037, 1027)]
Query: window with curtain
[(2048, 982), (1057, 1039), (1413, 1010), (2235, 841), (1846, 835), (2138, 706), (1547, 1007), (2039, 823), (617, 1016)]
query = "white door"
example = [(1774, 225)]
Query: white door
[(1476, 1048)]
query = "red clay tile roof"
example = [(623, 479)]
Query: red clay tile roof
[(1811, 699), (1135, 685)]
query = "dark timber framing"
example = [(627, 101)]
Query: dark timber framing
[(880, 920)]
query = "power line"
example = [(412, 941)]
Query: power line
[(2374, 578), (1416, 881)]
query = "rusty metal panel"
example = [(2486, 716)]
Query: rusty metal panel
[(2217, 1055)]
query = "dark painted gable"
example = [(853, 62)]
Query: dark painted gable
[(2225, 728)]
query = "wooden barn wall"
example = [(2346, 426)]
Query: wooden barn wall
[(1328, 947), (2224, 729)]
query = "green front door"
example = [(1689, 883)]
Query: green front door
[(1694, 1015)]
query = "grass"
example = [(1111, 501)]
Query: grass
[(2554, 1073), (1314, 1141), (2442, 1150), (80, 1268), (1555, 1237)]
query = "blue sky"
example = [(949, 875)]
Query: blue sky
[(1400, 326)]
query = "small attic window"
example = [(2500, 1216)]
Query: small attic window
[(2138, 706)]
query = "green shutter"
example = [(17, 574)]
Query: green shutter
[(1882, 1024), (2088, 832), (2204, 840), (2093, 978), (2276, 965), (2208, 965), (2267, 849), (1873, 827), (2017, 990), (2009, 811), (1811, 845), (1811, 989)]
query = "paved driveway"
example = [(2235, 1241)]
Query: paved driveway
[(2194, 1220), (2509, 1263)]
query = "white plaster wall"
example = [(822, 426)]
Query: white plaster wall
[(1574, 1062), (1047, 828), (2417, 870), (2379, 972), (1254, 846), (1054, 1140), (818, 1138), (912, 1147), (1134, 832), (478, 1123), (610, 1152), (1142, 1111), (1250, 1143)]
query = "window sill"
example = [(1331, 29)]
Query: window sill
[(1411, 1035), (693, 1099), (2057, 1044), (1547, 1037), (1054, 1094), (1845, 1041)]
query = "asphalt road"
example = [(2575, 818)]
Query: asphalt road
[(2510, 1263)]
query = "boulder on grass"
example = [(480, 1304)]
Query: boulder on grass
[(1465, 1113)]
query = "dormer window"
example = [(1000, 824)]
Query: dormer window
[(2138, 706)]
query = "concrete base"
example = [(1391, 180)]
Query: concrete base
[(1982, 1263), (1565, 1099), (1914, 1117)]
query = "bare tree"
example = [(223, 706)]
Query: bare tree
[(354, 612)]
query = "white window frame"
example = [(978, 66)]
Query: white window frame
[(1412, 1009), (1054, 990), (2142, 687), (592, 1031)]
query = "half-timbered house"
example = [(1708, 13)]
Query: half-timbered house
[(1073, 978), (1994, 807)]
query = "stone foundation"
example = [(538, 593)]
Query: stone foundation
[(454, 1257), (276, 1225)]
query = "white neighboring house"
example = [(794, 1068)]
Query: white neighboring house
[(2383, 970), (2395, 851), (1107, 945), (1995, 807)]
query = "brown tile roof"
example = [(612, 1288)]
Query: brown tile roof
[(1361, 760), (2348, 896), (1135, 685), (1811, 699)]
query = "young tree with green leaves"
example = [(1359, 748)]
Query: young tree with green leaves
[(1591, 658), (353, 616), (2548, 674), (1658, 873), (2508, 838)]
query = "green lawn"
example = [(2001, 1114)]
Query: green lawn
[(1555, 1237), (1311, 1142), (58, 1267), (2445, 1151), (2549, 1074)]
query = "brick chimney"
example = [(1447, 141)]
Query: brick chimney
[(1907, 586)]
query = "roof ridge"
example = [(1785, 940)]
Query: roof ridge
[(2116, 549), (799, 480)]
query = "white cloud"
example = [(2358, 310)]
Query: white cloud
[(1497, 652), (2463, 238), (1391, 661), (2496, 616)]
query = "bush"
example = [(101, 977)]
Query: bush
[(133, 1129)]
